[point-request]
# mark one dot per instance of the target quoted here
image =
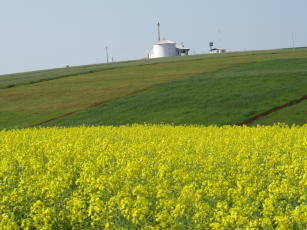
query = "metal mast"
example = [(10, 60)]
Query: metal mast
[(159, 38)]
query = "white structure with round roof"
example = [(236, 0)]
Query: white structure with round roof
[(167, 48), (163, 48)]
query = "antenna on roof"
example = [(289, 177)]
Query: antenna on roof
[(159, 38)]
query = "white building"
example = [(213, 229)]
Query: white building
[(167, 48), (182, 51), (217, 51)]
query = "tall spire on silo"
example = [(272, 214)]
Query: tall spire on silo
[(159, 38)]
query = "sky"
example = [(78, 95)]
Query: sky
[(43, 34)]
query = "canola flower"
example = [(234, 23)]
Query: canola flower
[(154, 177)]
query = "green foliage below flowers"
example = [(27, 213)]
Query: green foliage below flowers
[(154, 177)]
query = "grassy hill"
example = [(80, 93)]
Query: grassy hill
[(13, 80), (228, 96), (200, 89)]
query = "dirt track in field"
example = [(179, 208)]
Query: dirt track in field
[(254, 118)]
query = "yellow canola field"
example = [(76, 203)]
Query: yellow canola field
[(154, 177)]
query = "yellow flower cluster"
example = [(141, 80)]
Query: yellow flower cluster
[(154, 177)]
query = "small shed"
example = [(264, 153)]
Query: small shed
[(182, 51)]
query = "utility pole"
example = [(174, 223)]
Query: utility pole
[(293, 44), (107, 54)]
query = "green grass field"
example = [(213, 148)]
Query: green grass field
[(200, 89), (13, 80), (227, 96)]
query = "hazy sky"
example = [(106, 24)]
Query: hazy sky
[(39, 34)]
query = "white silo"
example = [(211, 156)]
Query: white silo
[(166, 48), (163, 48)]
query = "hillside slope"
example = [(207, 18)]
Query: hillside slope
[(58, 95), (227, 96), (17, 79)]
